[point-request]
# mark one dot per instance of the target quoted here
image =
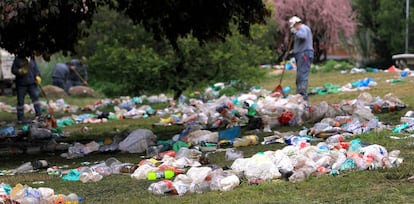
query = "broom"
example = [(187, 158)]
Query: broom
[(279, 87)]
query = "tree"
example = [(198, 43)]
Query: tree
[(329, 20), (138, 64), (34, 27), (204, 19), (385, 19)]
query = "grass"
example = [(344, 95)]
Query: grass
[(379, 186)]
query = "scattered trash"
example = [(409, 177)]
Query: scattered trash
[(26, 194), (179, 165)]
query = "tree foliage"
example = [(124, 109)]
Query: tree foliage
[(385, 19), (44, 27), (138, 64), (34, 27), (329, 20), (203, 19)]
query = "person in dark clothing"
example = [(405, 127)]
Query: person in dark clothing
[(78, 74), (60, 74), (27, 79)]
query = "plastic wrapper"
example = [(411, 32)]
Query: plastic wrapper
[(161, 187)]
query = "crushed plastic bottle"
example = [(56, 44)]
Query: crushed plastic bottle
[(200, 187), (167, 174), (161, 187), (31, 166), (246, 141)]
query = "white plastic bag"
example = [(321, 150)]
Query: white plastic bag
[(198, 174), (229, 183), (138, 141)]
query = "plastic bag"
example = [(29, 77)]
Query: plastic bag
[(138, 141), (257, 166), (198, 174), (229, 183)]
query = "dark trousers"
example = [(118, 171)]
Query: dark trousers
[(33, 92), (58, 82)]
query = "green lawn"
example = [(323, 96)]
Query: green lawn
[(379, 186)]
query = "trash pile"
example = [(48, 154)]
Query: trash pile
[(295, 163), (26, 194), (181, 165), (255, 110)]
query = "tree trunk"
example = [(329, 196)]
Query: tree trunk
[(319, 51)]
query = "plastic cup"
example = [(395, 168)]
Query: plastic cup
[(169, 174), (152, 176)]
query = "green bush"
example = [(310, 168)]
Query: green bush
[(133, 63), (332, 65)]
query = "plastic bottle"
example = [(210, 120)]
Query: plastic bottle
[(161, 187), (129, 168), (72, 198), (85, 174), (114, 164), (153, 150), (30, 166), (335, 139), (102, 169), (167, 174), (200, 187), (246, 141), (225, 144), (401, 127)]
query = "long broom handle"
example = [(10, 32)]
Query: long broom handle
[(80, 77), (284, 58), (50, 109)]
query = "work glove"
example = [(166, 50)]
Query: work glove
[(293, 30), (23, 70), (38, 80), (25, 67)]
